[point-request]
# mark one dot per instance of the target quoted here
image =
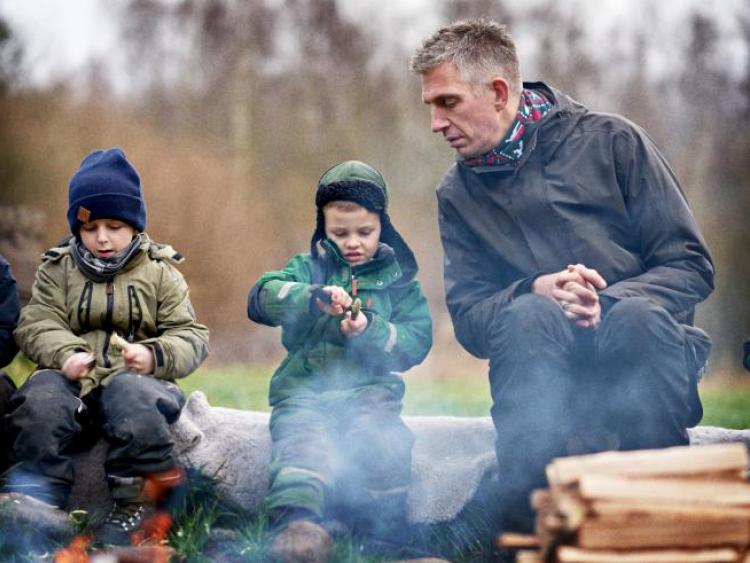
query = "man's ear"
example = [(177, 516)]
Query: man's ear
[(501, 91)]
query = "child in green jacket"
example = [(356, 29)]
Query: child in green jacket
[(352, 315), (107, 280)]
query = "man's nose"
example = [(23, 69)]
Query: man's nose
[(438, 121), (351, 242)]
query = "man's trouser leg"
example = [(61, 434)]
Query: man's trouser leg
[(42, 427), (531, 380), (137, 411), (301, 461), (375, 468), (643, 376)]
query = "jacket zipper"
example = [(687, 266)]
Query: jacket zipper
[(108, 321)]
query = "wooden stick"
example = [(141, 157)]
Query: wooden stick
[(568, 554), (517, 541), (118, 342)]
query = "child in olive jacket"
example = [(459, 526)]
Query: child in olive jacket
[(107, 279), (340, 448)]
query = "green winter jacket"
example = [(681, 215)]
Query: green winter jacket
[(320, 358), (146, 302)]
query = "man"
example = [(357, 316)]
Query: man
[(572, 262)]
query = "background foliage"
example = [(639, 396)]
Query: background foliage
[(231, 111)]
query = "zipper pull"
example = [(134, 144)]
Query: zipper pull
[(355, 284)]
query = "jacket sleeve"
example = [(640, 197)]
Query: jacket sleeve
[(473, 294), (282, 297), (182, 342), (43, 332), (9, 312), (678, 271), (403, 341)]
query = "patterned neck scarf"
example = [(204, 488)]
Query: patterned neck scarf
[(101, 270), (534, 105)]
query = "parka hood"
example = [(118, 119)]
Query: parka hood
[(360, 183)]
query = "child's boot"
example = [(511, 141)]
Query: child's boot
[(302, 541), (128, 512)]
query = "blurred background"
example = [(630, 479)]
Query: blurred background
[(232, 109)]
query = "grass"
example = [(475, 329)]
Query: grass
[(726, 401), (205, 530)]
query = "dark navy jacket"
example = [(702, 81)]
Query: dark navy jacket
[(590, 188), (9, 311)]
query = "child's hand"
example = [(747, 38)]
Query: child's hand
[(340, 300), (138, 358), (78, 365), (351, 328)]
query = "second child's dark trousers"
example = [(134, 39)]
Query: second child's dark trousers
[(48, 421), (340, 455), (559, 390)]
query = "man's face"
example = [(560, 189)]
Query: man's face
[(468, 118)]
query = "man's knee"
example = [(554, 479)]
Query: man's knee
[(637, 323), (529, 317), (633, 313)]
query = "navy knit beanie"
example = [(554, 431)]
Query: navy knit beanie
[(106, 186)]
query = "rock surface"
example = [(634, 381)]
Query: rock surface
[(452, 456)]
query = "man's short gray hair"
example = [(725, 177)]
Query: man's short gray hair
[(479, 48)]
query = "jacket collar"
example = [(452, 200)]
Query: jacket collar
[(383, 265), (548, 133)]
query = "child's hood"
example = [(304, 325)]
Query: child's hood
[(356, 181)]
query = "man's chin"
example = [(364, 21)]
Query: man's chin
[(465, 151)]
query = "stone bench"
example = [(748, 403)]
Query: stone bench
[(453, 457)]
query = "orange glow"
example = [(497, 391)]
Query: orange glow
[(75, 552), (154, 530), (157, 485)]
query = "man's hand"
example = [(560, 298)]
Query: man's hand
[(78, 365), (340, 300), (138, 358), (574, 289), (351, 328), (584, 307)]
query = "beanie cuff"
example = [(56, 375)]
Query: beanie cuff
[(119, 206)]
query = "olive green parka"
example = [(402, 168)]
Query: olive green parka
[(147, 302)]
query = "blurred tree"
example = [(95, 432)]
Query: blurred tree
[(563, 56), (727, 185), (11, 162), (493, 9), (705, 109), (11, 55)]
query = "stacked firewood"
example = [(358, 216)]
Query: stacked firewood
[(675, 505)]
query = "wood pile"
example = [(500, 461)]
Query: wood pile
[(674, 505)]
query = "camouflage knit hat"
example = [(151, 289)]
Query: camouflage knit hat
[(362, 184)]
